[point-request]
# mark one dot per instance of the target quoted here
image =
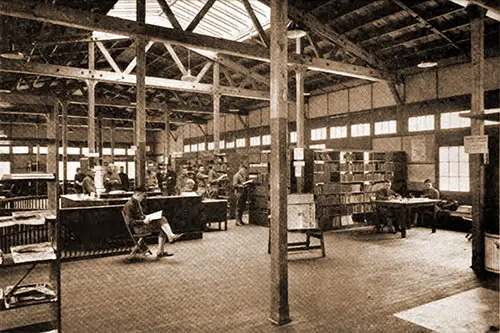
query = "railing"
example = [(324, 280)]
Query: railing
[(24, 203), (21, 234)]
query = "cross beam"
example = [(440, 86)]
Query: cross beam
[(97, 22)]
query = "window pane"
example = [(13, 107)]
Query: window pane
[(73, 151), (20, 150), (120, 151), (453, 169), (454, 154), (85, 150), (4, 149), (464, 184), (444, 169), (444, 183), (222, 144), (241, 142), (131, 170), (60, 150), (201, 146), (293, 137), (463, 155), (106, 151), (4, 168), (464, 169), (211, 146), (444, 154)]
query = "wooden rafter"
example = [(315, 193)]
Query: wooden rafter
[(176, 59), (170, 15), (256, 23), (203, 71), (194, 23), (108, 57), (133, 62)]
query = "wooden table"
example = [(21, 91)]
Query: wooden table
[(405, 206)]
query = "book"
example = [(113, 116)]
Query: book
[(248, 182), (154, 216)]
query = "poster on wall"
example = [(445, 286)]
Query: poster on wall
[(418, 149)]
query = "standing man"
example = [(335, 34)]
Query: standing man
[(201, 181), (213, 183), (79, 176), (240, 185), (135, 218), (88, 183), (124, 179), (170, 180)]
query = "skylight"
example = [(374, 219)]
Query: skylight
[(227, 19)]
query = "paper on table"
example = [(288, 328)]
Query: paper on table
[(155, 216), (32, 252)]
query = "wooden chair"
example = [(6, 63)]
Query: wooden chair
[(138, 239)]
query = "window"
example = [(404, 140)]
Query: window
[(187, 148), (337, 132), (43, 150), (319, 146), (106, 151), (4, 168), (211, 146), (201, 146), (222, 144), (4, 149), (422, 123), (293, 137), (242, 142), (266, 140), (131, 170), (121, 164), (255, 141), (71, 170), (20, 149), (360, 130), (318, 134), (85, 151), (120, 151), (194, 147), (130, 152), (385, 127), (453, 169), (60, 150), (73, 151), (230, 145), (453, 120), (489, 122)]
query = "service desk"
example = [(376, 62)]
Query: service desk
[(95, 226), (404, 206)]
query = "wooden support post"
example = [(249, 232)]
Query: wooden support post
[(300, 116), (64, 107), (99, 139), (52, 155), (216, 97), (477, 128), (91, 100), (112, 141), (37, 148), (166, 138), (140, 115), (279, 123)]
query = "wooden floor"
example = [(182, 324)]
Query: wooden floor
[(221, 284)]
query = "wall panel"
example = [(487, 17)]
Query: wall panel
[(382, 95), (318, 106), (360, 98), (421, 87), (255, 118), (338, 102), (454, 80)]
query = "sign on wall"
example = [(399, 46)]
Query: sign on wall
[(476, 144)]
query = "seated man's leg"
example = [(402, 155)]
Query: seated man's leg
[(167, 230), (386, 215)]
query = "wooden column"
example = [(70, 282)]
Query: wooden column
[(300, 112), (37, 159), (166, 138), (52, 155), (216, 97), (140, 115), (65, 145), (279, 124), (112, 141), (99, 139), (91, 100), (477, 128)]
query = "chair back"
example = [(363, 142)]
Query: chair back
[(127, 224)]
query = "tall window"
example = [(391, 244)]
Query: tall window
[(385, 127), (421, 123), (130, 151), (255, 141), (318, 134), (187, 148), (131, 170), (211, 146), (453, 169), (293, 137), (194, 147), (453, 120), (241, 142), (222, 144), (266, 140), (201, 146), (360, 130), (337, 132), (4, 168)]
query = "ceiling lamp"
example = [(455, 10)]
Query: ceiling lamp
[(11, 53), (188, 77), (294, 31)]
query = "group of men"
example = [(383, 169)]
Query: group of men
[(84, 182), (390, 216)]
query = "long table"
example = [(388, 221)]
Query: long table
[(404, 206)]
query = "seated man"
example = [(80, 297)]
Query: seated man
[(136, 219), (431, 193), (386, 193)]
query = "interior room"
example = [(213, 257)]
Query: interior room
[(249, 166)]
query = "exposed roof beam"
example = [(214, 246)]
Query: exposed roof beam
[(96, 22), (256, 23), (424, 22), (176, 59), (170, 15), (200, 15), (111, 77), (108, 57)]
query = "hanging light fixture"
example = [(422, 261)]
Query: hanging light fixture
[(427, 64), (188, 77), (294, 31)]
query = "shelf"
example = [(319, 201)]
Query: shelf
[(27, 304), (8, 262)]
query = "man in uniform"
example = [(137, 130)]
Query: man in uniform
[(240, 185)]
